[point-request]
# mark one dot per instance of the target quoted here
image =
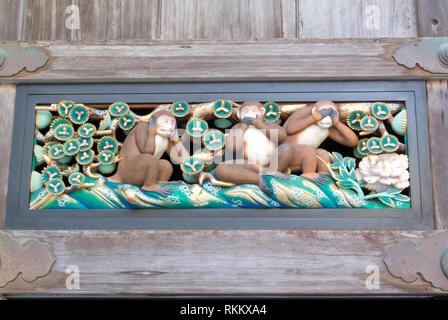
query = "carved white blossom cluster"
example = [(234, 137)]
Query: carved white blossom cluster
[(384, 171)]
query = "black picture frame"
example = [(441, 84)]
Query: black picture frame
[(419, 216)]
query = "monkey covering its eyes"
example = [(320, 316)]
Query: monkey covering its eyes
[(141, 152)]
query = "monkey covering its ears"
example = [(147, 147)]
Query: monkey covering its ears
[(312, 125), (141, 152)]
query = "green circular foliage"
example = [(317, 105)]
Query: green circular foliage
[(79, 114), (71, 147), (354, 119), (58, 121), (399, 123), (179, 109), (190, 179), (56, 151), (119, 109), (36, 181), (55, 187), (126, 122), (107, 144), (222, 123), (374, 145), (38, 153), (356, 153), (222, 109), (380, 111), (105, 122), (77, 179), (272, 112), (64, 108), (106, 157), (192, 166), (65, 159), (87, 130), (50, 173), (64, 132), (43, 119), (390, 143), (214, 139), (85, 157), (369, 124), (196, 127), (107, 168), (85, 144), (362, 147)]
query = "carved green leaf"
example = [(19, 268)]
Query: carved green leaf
[(345, 184), (393, 191), (338, 157), (344, 173), (350, 164), (401, 197), (387, 201)]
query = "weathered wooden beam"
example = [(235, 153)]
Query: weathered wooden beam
[(219, 262), (7, 102), (437, 96), (221, 60)]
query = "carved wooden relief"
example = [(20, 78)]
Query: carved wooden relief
[(14, 58), (407, 260), (30, 258)]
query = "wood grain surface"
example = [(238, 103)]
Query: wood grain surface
[(219, 262), (222, 60), (7, 102), (437, 93)]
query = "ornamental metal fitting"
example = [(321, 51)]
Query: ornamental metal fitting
[(430, 54), (405, 260), (15, 57), (30, 258)]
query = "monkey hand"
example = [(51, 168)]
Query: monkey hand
[(320, 114), (334, 117), (248, 120)]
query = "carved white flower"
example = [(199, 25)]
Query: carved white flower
[(384, 171)]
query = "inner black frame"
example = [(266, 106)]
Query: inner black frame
[(419, 216)]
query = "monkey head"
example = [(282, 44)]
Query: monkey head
[(326, 111), (165, 124), (251, 109)]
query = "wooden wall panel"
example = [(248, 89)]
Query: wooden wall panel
[(149, 20), (432, 16), (437, 91), (10, 19), (7, 102), (356, 19), (220, 262)]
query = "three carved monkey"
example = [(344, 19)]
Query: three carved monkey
[(261, 147)]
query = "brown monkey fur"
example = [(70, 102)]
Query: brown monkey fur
[(308, 126), (249, 141), (141, 151)]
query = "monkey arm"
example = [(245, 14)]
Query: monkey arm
[(343, 135), (299, 120), (177, 151), (145, 138), (235, 139), (270, 129)]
